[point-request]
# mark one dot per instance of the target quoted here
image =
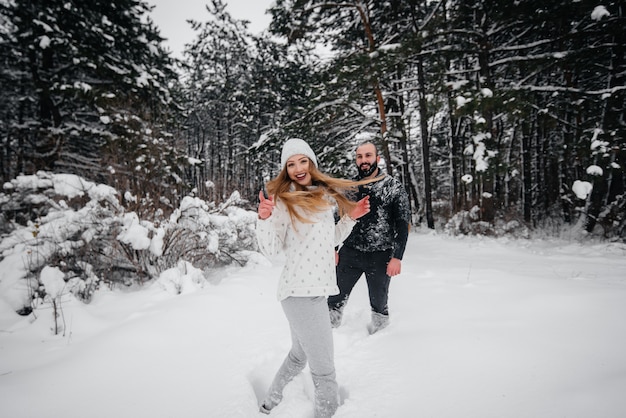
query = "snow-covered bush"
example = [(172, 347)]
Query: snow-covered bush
[(181, 279), (84, 230), (469, 223), (53, 281), (612, 219)]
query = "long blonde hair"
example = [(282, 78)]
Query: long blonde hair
[(313, 200)]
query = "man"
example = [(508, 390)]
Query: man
[(377, 242)]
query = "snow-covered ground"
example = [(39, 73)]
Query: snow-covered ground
[(480, 328)]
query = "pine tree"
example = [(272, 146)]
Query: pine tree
[(87, 88)]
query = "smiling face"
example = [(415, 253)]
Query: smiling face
[(298, 169), (367, 160)]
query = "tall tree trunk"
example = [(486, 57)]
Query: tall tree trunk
[(47, 146), (611, 184), (408, 178), (456, 200), (428, 204), (487, 196), (380, 100), (526, 172)]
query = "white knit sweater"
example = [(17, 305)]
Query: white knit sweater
[(309, 249)]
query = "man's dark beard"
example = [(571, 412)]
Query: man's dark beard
[(369, 171)]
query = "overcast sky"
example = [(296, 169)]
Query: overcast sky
[(171, 18)]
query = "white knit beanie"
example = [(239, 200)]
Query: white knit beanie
[(295, 146)]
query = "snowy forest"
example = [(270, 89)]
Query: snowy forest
[(130, 278), (499, 117)]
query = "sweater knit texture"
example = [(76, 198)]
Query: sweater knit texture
[(309, 249)]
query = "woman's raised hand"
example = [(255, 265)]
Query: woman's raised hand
[(362, 207), (266, 206)]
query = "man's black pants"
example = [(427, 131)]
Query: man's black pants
[(352, 264)]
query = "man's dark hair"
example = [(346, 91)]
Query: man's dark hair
[(365, 142)]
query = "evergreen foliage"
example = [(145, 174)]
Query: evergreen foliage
[(499, 117), (493, 108), (507, 103), (87, 92)]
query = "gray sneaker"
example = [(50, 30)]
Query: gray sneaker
[(379, 321), (335, 317)]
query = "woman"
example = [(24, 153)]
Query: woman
[(298, 218)]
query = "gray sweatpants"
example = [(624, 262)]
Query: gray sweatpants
[(312, 341)]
